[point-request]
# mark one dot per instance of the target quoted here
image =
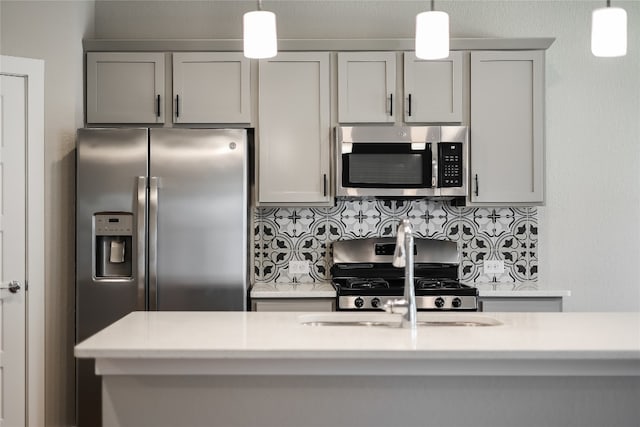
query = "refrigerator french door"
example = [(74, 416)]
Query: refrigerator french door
[(161, 224)]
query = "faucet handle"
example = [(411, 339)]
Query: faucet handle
[(399, 255), (396, 306), (400, 252)]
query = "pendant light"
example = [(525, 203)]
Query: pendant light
[(609, 31), (432, 34), (259, 33)]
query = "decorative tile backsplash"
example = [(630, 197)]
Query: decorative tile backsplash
[(285, 234)]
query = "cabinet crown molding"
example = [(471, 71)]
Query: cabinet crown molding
[(222, 45)]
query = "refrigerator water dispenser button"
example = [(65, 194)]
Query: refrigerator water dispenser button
[(117, 252)]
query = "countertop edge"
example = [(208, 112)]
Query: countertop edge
[(437, 365)]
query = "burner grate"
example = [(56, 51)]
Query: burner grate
[(367, 283), (423, 283)]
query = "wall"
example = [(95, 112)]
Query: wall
[(53, 31), (285, 234), (589, 230)]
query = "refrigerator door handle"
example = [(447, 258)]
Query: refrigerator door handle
[(141, 243), (153, 243)]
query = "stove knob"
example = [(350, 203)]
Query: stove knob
[(375, 303), (359, 302), (457, 302), (439, 302)]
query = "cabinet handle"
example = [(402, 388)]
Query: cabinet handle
[(477, 186), (158, 106), (324, 184), (177, 106), (409, 105), (391, 105)]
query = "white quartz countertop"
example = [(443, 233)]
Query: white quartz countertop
[(271, 343)]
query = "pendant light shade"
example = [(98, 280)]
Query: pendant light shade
[(432, 35), (259, 34), (609, 32)]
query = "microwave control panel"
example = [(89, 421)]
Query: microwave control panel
[(450, 164)]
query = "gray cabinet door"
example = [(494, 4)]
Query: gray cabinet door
[(433, 89), (294, 130), (366, 87), (294, 304), (211, 87), (125, 87), (522, 304), (507, 127)]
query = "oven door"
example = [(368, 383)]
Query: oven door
[(386, 161)]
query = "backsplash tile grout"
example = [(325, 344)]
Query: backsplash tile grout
[(285, 234)]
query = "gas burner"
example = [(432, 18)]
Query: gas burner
[(423, 283), (374, 283)]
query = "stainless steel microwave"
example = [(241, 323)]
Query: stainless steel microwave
[(401, 161)]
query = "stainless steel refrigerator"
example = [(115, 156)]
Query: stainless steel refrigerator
[(161, 224)]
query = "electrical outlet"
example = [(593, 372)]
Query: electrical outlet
[(299, 267), (493, 266)]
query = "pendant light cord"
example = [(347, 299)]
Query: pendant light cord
[(433, 2), (260, 4), (608, 3)]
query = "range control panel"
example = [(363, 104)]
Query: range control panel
[(450, 164)]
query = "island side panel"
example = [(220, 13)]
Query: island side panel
[(317, 401)]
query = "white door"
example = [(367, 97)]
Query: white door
[(12, 251)]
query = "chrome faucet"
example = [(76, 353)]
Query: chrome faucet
[(403, 257)]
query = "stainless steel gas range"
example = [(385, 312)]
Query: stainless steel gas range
[(365, 279)]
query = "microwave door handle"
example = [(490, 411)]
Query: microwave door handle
[(391, 105)]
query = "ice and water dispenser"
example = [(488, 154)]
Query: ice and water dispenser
[(113, 240)]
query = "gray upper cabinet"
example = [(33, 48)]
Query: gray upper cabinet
[(507, 127), (125, 87), (433, 89), (211, 87), (128, 87), (294, 129), (369, 91), (366, 87)]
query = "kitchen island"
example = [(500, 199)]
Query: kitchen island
[(270, 369)]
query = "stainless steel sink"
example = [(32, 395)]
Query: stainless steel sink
[(394, 320)]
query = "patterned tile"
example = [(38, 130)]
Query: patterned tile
[(284, 234), (361, 218), (293, 222), (427, 218)]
